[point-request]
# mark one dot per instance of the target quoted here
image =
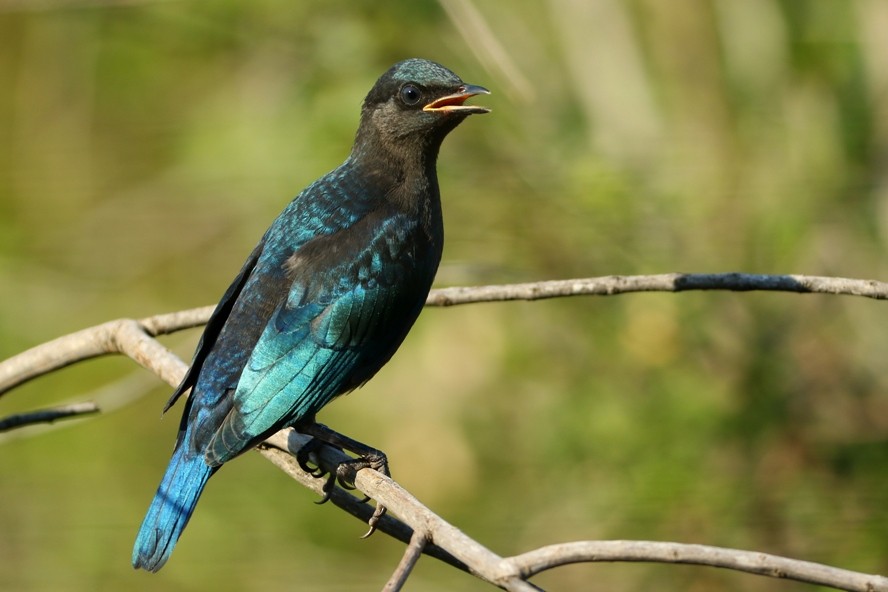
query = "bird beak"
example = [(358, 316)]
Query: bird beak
[(454, 103)]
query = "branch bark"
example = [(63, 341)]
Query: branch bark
[(666, 282), (411, 555), (103, 339), (50, 415), (538, 560), (418, 526)]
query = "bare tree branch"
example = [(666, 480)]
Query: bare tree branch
[(50, 415), (411, 555), (420, 527), (482, 562), (666, 282), (123, 336), (538, 560), (104, 339), (165, 324)]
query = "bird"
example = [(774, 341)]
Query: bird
[(324, 299)]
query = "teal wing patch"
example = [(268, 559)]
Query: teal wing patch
[(320, 343)]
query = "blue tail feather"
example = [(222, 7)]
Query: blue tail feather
[(175, 500)]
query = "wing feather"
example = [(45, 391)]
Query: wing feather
[(334, 330)]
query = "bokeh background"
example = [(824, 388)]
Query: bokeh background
[(146, 144)]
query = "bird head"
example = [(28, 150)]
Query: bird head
[(418, 102)]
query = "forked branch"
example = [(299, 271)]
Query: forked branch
[(418, 526)]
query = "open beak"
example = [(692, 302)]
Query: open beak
[(454, 103)]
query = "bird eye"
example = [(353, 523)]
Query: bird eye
[(410, 95)]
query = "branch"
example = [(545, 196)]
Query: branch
[(105, 339), (534, 562), (445, 541), (665, 282), (511, 573), (280, 449), (47, 415), (411, 555), (427, 531), (123, 336)]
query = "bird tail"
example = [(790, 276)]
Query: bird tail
[(172, 506)]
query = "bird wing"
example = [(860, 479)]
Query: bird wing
[(342, 319), (214, 325)]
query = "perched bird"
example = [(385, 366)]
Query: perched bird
[(324, 299)]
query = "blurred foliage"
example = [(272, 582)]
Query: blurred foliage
[(146, 145)]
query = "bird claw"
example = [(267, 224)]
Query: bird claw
[(310, 466), (378, 513), (346, 471), (303, 457), (327, 488)]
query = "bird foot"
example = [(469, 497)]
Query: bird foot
[(346, 471), (307, 462)]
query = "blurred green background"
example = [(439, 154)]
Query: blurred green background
[(145, 145)]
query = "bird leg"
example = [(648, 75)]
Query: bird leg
[(368, 458)]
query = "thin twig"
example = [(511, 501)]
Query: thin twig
[(666, 282), (538, 560), (418, 517), (49, 415), (411, 555), (171, 322), (108, 398), (100, 340), (482, 562)]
